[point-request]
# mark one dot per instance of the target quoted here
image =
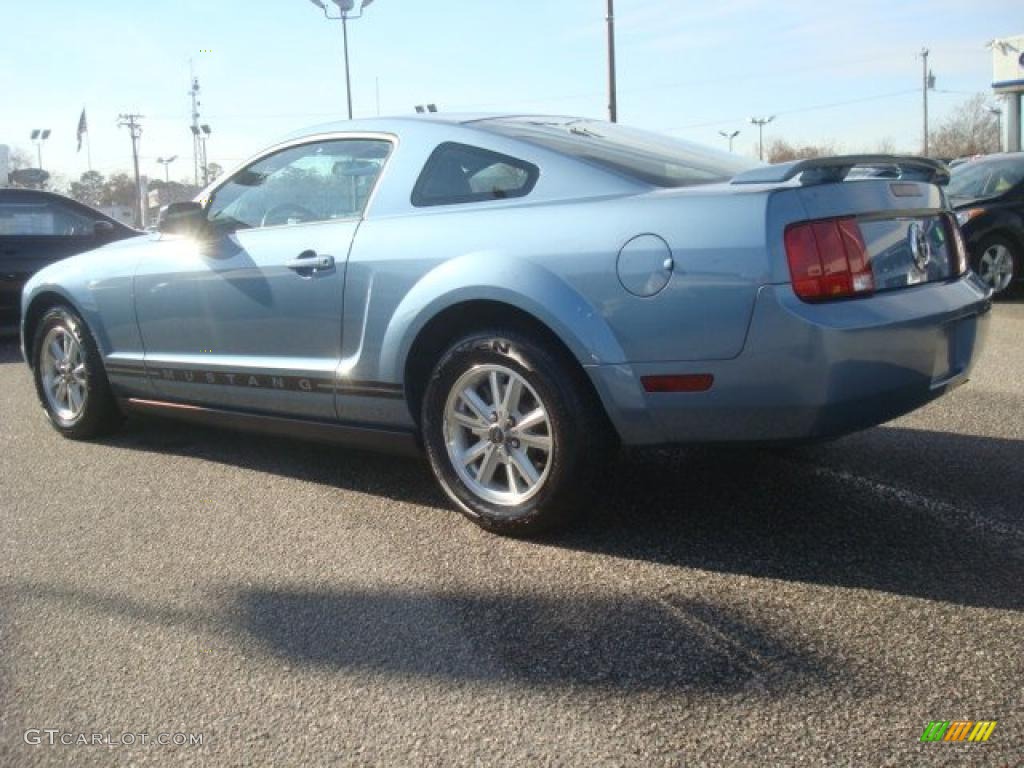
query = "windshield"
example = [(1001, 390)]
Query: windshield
[(648, 157), (986, 178)]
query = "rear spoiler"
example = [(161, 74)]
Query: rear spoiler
[(828, 170)]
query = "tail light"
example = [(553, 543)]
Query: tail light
[(828, 260), (953, 223)]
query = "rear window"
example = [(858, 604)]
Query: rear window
[(661, 161), (986, 178), (43, 219)]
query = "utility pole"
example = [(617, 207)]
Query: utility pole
[(613, 106), (761, 122), (131, 121), (927, 80)]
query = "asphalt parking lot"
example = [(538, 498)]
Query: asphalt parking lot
[(298, 604)]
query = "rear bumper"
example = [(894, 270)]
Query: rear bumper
[(812, 370)]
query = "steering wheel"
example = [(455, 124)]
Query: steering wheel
[(280, 214)]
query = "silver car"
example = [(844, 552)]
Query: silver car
[(517, 297)]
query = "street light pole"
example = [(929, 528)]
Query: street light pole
[(39, 135), (348, 73), (613, 105), (344, 8), (729, 136), (761, 122), (166, 163), (998, 112)]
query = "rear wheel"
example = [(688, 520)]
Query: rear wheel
[(511, 433), (69, 376), (998, 262)]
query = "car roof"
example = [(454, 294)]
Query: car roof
[(399, 123)]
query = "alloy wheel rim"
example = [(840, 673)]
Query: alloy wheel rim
[(997, 267), (498, 434), (64, 374)]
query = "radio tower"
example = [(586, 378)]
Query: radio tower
[(194, 93)]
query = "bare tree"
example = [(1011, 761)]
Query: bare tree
[(885, 146), (970, 130), (781, 151)]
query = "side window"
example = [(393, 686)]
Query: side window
[(43, 219), (310, 182), (457, 173)]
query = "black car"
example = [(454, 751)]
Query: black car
[(988, 195), (38, 228)]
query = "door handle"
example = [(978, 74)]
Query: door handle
[(311, 261)]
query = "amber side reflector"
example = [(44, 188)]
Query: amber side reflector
[(687, 382)]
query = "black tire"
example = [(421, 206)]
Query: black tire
[(1016, 259), (581, 437), (99, 413)]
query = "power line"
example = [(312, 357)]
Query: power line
[(799, 110), (760, 75), (556, 98)]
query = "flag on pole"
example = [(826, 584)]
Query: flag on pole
[(83, 128)]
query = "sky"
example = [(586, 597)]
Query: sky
[(848, 73)]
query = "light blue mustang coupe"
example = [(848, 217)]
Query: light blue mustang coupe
[(518, 296)]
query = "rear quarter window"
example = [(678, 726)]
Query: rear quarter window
[(459, 173)]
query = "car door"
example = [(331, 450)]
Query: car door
[(247, 314)]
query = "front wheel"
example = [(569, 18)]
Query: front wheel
[(998, 263), (69, 376), (513, 435)]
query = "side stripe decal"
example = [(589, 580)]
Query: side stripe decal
[(310, 384)]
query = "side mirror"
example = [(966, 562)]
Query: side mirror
[(102, 229), (182, 219)]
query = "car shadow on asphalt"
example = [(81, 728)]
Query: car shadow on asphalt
[(796, 515), (632, 644), (799, 515)]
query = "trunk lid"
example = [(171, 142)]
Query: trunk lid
[(889, 233)]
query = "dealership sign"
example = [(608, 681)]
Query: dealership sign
[(1008, 63)]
